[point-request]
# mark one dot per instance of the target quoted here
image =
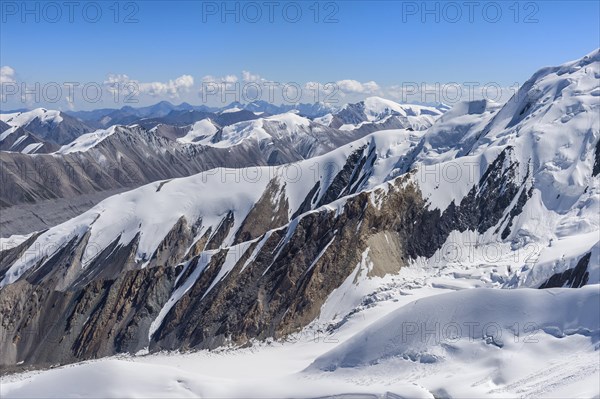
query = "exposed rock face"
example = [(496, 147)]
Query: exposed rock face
[(596, 169), (4, 126), (23, 141), (64, 132), (270, 212), (573, 278), (285, 285), (271, 283), (43, 326)]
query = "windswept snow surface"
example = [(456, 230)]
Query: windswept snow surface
[(412, 342), (485, 316)]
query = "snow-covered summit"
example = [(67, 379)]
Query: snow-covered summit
[(44, 115), (88, 140), (376, 108), (50, 126)]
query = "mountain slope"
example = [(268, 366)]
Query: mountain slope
[(125, 157), (20, 140), (375, 110), (532, 363), (50, 126), (257, 253)]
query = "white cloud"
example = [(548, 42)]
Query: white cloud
[(7, 75), (351, 86), (112, 80), (172, 88), (449, 93), (250, 77), (228, 79), (219, 83)]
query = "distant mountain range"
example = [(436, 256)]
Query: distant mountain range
[(128, 114), (86, 164), (42, 125), (46, 130)]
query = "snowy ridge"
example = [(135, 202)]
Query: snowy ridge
[(478, 144), (377, 110), (555, 166), (208, 196), (199, 130), (559, 207), (87, 141), (282, 126), (51, 128), (22, 119)]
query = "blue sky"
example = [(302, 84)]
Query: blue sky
[(388, 42)]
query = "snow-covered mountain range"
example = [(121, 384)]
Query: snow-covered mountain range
[(57, 127), (95, 164), (348, 227), (39, 130)]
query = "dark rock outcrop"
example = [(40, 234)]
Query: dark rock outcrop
[(575, 277)]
